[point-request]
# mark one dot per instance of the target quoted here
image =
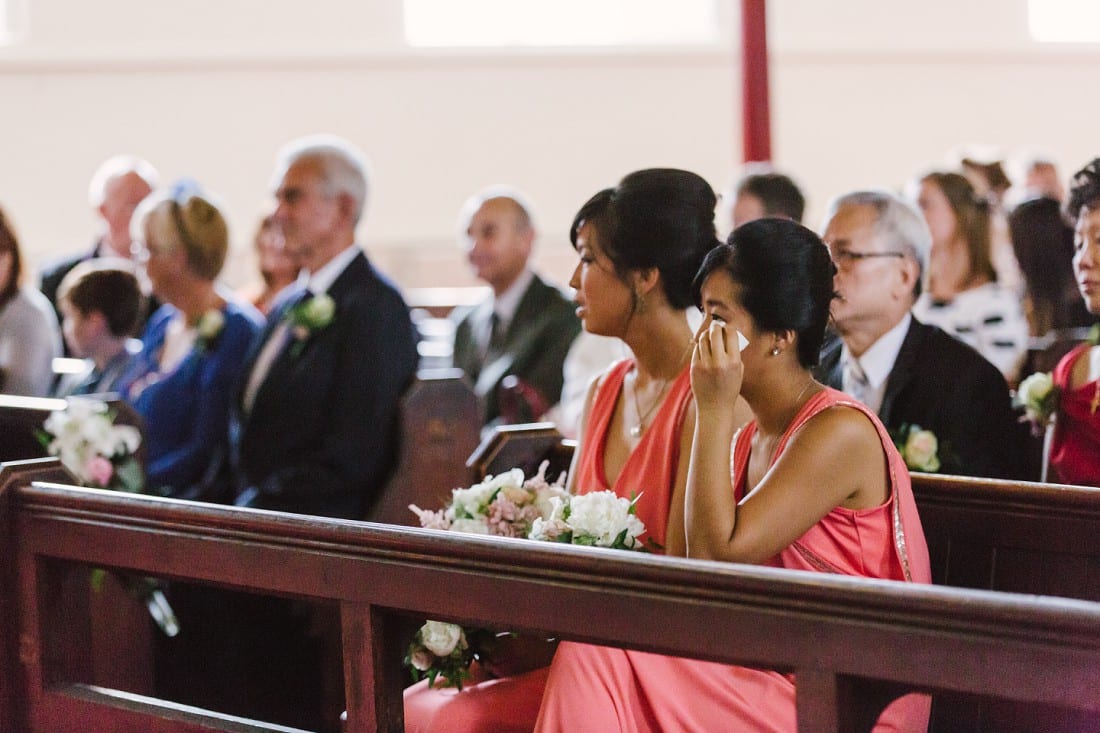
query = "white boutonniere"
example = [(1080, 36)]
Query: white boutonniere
[(1038, 397), (919, 448), (308, 317), (209, 327)]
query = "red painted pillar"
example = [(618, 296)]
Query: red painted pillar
[(756, 138)]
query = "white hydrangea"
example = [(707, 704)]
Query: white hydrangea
[(603, 516)]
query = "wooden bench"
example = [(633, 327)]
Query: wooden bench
[(853, 643), (990, 534)]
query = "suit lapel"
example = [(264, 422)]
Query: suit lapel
[(902, 372)]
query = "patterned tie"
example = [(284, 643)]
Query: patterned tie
[(495, 344), (856, 382), (274, 346)]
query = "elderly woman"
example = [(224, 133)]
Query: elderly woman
[(29, 335), (193, 346)]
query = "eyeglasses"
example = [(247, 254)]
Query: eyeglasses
[(846, 258)]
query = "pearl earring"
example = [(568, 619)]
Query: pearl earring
[(775, 351)]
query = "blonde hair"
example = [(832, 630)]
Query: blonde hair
[(185, 217)]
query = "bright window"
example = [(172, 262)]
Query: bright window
[(495, 23), (1064, 21)]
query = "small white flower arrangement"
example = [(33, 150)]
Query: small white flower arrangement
[(1038, 397), (308, 317), (97, 452), (919, 448), (510, 505), (207, 330)]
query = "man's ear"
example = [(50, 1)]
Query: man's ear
[(909, 275), (346, 205)]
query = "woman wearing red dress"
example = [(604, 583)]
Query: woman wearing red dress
[(640, 245), (817, 485), (1075, 447)]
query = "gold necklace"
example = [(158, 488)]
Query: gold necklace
[(638, 427)]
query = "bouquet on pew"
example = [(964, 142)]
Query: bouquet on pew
[(102, 455), (510, 505), (97, 452)]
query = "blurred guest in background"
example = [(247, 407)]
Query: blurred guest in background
[(194, 346), (525, 328), (278, 269), (962, 295), (100, 303), (29, 335)]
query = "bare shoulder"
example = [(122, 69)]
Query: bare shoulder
[(839, 433)]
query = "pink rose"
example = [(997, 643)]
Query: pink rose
[(99, 471)]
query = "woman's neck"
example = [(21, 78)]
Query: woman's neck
[(776, 402), (200, 297), (662, 351), (950, 270)]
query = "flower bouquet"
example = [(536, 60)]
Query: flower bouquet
[(510, 505), (97, 452), (103, 455)]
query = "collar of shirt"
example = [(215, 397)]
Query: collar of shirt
[(506, 304), (878, 361), (320, 281)]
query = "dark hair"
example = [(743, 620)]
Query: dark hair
[(658, 217), (973, 222), (786, 279), (1084, 189), (778, 193), (10, 243), (105, 287)]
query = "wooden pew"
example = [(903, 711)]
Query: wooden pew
[(990, 534), (853, 643), (439, 429)]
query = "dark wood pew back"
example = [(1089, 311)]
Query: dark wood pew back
[(439, 429), (853, 643), (22, 417)]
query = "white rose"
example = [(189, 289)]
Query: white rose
[(550, 499), (547, 530), (920, 451), (1035, 388), (317, 312), (441, 638)]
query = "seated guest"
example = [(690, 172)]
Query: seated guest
[(963, 296), (525, 328), (910, 373), (100, 303), (762, 191), (192, 350), (640, 244), (278, 270), (117, 187), (1075, 446), (29, 335), (314, 424), (1043, 242), (817, 485)]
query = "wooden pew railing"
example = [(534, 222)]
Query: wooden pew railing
[(853, 643)]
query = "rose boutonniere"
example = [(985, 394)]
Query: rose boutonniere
[(207, 330), (307, 317), (919, 448), (1038, 397)]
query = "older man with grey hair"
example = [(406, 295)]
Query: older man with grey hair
[(912, 374), (314, 426)]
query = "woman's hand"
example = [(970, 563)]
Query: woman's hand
[(716, 367)]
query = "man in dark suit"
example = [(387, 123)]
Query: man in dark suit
[(314, 428), (117, 187), (513, 344), (909, 372)]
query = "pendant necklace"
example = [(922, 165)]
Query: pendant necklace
[(639, 426)]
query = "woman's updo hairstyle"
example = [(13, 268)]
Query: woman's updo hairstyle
[(187, 217), (786, 278), (1084, 189), (659, 218)]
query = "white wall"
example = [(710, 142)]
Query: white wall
[(864, 93)]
